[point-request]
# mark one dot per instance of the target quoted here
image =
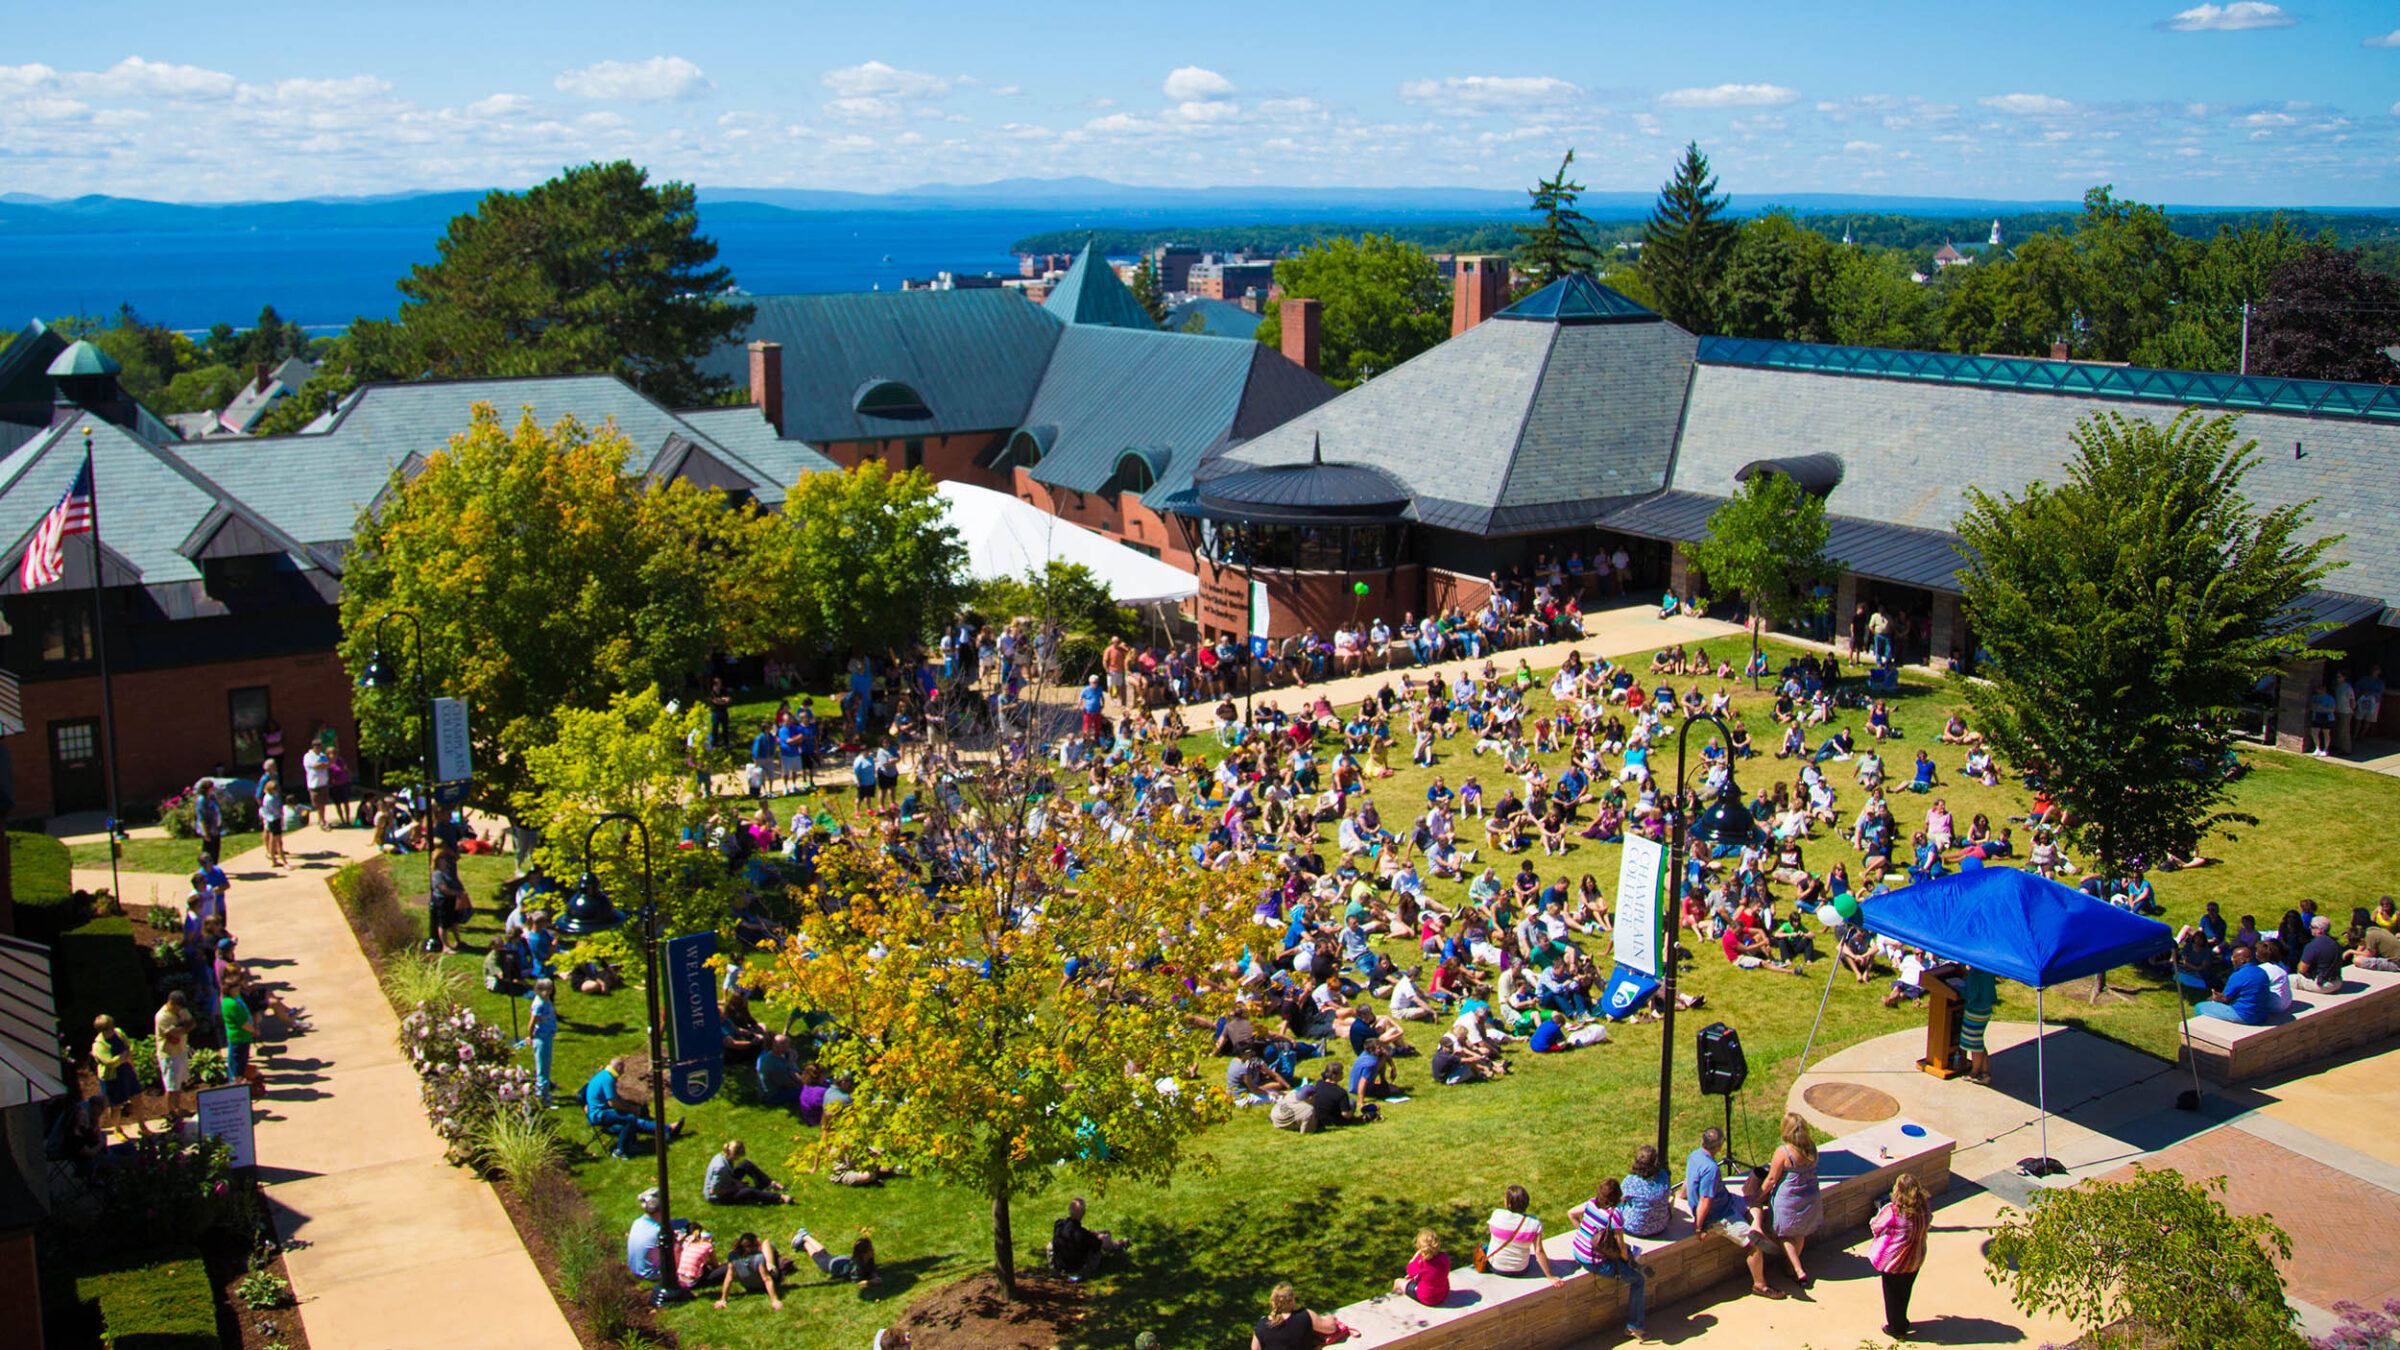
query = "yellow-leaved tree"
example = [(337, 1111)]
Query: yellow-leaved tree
[(1026, 988)]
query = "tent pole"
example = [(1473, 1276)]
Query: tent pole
[(2041, 1079), (1822, 1000)]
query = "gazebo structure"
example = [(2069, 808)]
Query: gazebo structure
[(1287, 546)]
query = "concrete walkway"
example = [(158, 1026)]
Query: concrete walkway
[(389, 1246)]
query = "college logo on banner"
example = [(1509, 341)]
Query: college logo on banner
[(699, 1039), (1641, 875), (1626, 992)]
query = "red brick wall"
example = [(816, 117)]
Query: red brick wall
[(174, 725), (1444, 589), (947, 458), (1123, 518)]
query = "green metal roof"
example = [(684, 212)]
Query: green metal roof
[(1574, 299), (1091, 294), (2237, 393), (82, 358)]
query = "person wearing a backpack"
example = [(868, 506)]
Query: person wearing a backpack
[(1899, 1249)]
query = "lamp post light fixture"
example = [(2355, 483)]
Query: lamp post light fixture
[(589, 911), (1725, 821), (380, 675)]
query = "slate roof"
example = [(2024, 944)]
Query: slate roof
[(25, 363), (1533, 424), (245, 409), (1091, 294), (1912, 557), (975, 356), (1218, 318), (1109, 389), (745, 431)]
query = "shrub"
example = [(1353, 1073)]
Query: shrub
[(262, 1288), (207, 1065), (180, 814), (370, 899), (423, 982), (155, 1300), (521, 1147), (468, 1074)]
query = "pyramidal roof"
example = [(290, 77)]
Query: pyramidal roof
[(1576, 298), (83, 358), (1091, 294)]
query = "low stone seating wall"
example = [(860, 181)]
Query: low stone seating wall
[(1503, 1312), (2319, 1025)]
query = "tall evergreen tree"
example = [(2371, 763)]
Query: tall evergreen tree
[(1685, 241), (1558, 245), (1145, 290)]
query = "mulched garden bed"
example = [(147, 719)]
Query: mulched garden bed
[(262, 1329), (971, 1315)]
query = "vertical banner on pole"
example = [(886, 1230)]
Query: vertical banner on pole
[(1260, 621), (1641, 880), (699, 1044)]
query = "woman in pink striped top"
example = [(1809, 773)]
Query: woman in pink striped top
[(1899, 1249)]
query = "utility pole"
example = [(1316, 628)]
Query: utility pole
[(2245, 337)]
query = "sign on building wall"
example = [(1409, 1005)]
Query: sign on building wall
[(1640, 875)]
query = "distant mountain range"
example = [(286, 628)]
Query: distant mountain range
[(22, 214)]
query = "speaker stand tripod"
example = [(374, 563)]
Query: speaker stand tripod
[(1731, 1162)]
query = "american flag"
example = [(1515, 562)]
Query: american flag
[(46, 555)]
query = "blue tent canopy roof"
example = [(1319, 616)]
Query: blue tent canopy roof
[(2015, 925)]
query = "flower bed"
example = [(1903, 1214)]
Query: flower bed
[(467, 1072)]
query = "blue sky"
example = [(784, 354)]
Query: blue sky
[(2242, 102)]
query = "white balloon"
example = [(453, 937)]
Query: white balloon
[(1829, 916)]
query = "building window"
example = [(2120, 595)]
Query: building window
[(75, 742), (1143, 549), (246, 710), (67, 635), (915, 451)]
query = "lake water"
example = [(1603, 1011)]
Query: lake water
[(324, 278)]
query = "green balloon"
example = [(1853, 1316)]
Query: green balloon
[(1846, 905), (1359, 587)]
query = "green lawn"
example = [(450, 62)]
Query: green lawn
[(171, 857), (1335, 1213), (97, 964)]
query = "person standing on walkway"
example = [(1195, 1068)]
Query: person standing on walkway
[(208, 816), (240, 1031), (1791, 1190), (316, 774), (172, 1028), (1899, 1249)]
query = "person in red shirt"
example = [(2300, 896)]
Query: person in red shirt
[(1428, 1278)]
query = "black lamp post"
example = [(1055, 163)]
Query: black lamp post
[(589, 911), (379, 675), (1726, 821)]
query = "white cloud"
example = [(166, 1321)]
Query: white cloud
[(355, 89), (1480, 94), (2232, 18), (874, 79), (1008, 91), (1862, 148), (2388, 41), (159, 79), (1730, 96), (501, 105), (660, 79), (2027, 105), (1186, 84), (1212, 111), (2269, 119), (2396, 110)]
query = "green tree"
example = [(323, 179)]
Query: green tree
[(1067, 592), (1384, 302), (1778, 282), (2130, 270), (200, 389), (2155, 1261), (994, 1038), (1768, 542), (636, 755), (868, 561), (2127, 612), (1560, 242), (368, 351), (594, 270), (2016, 307), (1684, 243), (548, 575), (1145, 290), (1876, 303), (2205, 331)]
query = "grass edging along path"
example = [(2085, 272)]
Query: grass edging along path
[(1336, 1212), (167, 857)]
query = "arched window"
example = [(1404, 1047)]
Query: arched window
[(889, 399)]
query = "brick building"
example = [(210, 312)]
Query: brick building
[(221, 562)]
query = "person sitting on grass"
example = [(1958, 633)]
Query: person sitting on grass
[(1955, 732), (859, 1265), (778, 1073), (1076, 1251), (1857, 951), (1910, 981), (601, 1108), (735, 1180), (754, 1266)]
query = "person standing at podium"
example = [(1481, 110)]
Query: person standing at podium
[(1979, 994)]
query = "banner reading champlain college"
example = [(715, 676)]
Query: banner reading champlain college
[(1641, 877), (698, 1040)]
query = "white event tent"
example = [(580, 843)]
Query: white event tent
[(1006, 537)]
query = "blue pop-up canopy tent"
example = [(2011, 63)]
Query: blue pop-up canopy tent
[(2018, 926)]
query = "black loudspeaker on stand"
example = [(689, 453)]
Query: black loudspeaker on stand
[(1723, 1070)]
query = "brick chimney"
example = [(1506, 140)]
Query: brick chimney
[(766, 381), (258, 376), (1480, 290), (2059, 352), (1303, 331)]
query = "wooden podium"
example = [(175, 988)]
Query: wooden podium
[(1942, 1011)]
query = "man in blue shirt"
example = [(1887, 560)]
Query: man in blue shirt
[(1094, 699), (600, 1108), (1712, 1202), (2247, 998)]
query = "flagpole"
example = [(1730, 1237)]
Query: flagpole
[(108, 714)]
